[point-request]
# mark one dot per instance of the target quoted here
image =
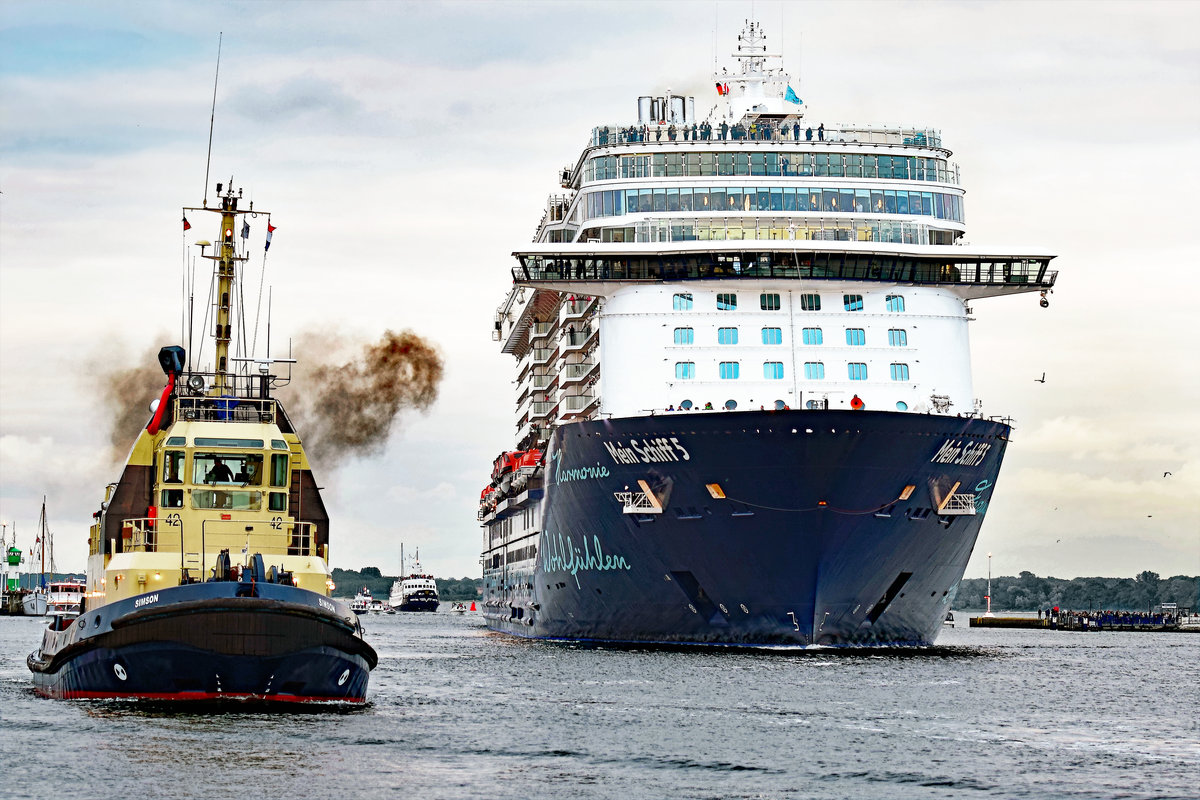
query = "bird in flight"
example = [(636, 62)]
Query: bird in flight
[(1166, 474), (1041, 379)]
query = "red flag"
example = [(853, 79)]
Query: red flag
[(270, 230), (187, 226)]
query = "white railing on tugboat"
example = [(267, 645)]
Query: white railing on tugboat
[(167, 535)]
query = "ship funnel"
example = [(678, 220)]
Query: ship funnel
[(171, 359)]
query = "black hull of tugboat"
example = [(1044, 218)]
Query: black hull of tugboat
[(204, 642), (811, 544)]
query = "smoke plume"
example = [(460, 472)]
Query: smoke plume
[(127, 395), (346, 410)]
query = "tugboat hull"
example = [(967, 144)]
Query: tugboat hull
[(205, 643)]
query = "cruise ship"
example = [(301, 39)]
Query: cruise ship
[(744, 404)]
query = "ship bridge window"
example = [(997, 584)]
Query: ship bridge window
[(810, 302), (172, 498), (279, 444), (177, 441), (682, 302), (228, 500), (224, 442), (244, 469), (173, 466), (279, 470)]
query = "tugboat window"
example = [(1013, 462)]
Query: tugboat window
[(279, 470), (244, 469), (173, 463)]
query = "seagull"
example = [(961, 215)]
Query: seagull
[(1041, 379), (1166, 474)]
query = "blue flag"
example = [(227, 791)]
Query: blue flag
[(791, 96)]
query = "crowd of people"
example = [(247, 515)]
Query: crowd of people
[(1105, 619), (759, 130)]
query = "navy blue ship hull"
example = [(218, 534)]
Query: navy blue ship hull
[(812, 543), (209, 642)]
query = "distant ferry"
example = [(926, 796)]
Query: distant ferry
[(414, 590), (744, 407)]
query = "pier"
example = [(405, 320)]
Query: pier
[(1096, 621)]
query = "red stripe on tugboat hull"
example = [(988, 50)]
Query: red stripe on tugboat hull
[(195, 697)]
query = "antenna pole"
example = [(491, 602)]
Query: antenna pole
[(212, 119)]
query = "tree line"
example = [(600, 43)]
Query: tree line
[(348, 582), (1028, 592)]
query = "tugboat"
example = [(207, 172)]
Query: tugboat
[(207, 575)]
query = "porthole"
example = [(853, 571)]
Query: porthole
[(901, 405), (686, 405), (730, 405), (780, 405)]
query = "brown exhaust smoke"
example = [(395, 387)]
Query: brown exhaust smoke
[(127, 396), (347, 410)]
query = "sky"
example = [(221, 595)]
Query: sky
[(406, 149)]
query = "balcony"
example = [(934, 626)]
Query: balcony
[(577, 373), (542, 330), (578, 308), (575, 341), (541, 410), (577, 405)]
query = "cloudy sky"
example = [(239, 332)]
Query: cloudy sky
[(405, 149)]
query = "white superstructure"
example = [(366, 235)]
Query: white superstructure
[(751, 259)]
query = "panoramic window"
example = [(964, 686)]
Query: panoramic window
[(727, 335), (810, 302), (852, 302), (227, 468), (729, 370), (812, 336), (769, 302), (857, 371), (772, 336), (726, 302), (895, 302), (856, 337), (773, 370), (685, 336), (685, 370), (899, 372), (682, 302), (814, 370)]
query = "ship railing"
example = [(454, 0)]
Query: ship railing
[(578, 371), (637, 503), (658, 135), (958, 505), (579, 307), (140, 535), (225, 409), (167, 535), (951, 269)]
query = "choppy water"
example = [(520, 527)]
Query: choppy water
[(458, 712)]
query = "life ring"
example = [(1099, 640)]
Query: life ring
[(856, 403)]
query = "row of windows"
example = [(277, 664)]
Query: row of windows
[(773, 371), (855, 337), (779, 405), (728, 301), (617, 202), (837, 165)]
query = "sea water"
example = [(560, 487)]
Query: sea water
[(456, 711)]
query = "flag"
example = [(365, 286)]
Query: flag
[(270, 230), (187, 226), (791, 96), (720, 88), (245, 229)]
